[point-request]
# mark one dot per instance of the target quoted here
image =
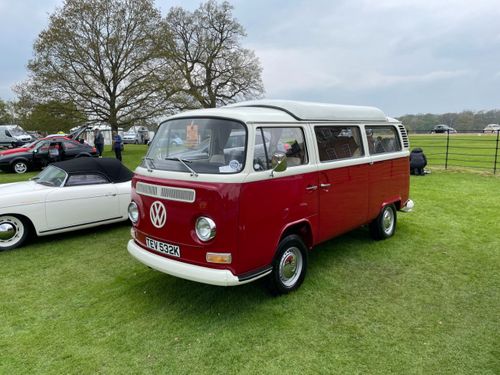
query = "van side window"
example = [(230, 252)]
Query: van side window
[(338, 142), (271, 140), (382, 139)]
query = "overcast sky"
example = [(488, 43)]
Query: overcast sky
[(403, 56)]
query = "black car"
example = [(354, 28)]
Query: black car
[(44, 153), (442, 128)]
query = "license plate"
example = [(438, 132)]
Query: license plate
[(163, 247)]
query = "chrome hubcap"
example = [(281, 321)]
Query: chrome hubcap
[(11, 231), (290, 266), (7, 231), (20, 167), (388, 221)]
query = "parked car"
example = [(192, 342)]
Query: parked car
[(441, 128), (65, 196), (137, 135), (30, 146), (177, 141), (40, 155), (491, 128)]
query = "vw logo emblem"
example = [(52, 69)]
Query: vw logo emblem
[(158, 214)]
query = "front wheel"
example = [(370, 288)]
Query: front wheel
[(13, 232), (384, 226), (289, 265)]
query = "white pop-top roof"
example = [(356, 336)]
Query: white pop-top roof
[(318, 111), (288, 110)]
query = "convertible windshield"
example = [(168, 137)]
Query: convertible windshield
[(51, 176), (198, 145)]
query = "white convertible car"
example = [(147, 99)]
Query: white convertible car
[(68, 195)]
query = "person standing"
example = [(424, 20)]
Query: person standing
[(98, 141), (117, 145)]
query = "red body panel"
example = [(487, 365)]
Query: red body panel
[(343, 204), (14, 150), (217, 201), (389, 183), (267, 208)]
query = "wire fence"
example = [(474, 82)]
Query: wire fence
[(474, 149)]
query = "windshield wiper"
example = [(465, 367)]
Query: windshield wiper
[(149, 164), (184, 163)]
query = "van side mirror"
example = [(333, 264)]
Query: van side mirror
[(278, 162)]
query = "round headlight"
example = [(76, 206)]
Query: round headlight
[(133, 212), (205, 228)]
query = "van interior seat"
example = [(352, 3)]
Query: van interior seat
[(293, 161)]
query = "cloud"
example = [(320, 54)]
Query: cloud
[(287, 70), (407, 55)]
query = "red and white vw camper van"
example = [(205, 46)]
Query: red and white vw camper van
[(228, 195)]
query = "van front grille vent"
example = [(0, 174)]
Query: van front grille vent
[(404, 134), (166, 192)]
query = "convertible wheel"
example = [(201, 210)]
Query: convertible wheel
[(13, 232), (20, 167), (384, 226), (289, 266)]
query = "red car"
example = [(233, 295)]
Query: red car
[(31, 146)]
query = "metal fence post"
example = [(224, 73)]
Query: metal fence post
[(447, 147), (496, 155)]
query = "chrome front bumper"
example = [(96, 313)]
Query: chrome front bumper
[(183, 270)]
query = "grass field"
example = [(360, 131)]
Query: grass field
[(426, 301)]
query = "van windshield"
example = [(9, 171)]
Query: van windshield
[(16, 131), (200, 145)]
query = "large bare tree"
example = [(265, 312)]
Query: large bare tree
[(204, 49), (102, 56)]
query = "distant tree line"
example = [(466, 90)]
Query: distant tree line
[(463, 121), (120, 62)]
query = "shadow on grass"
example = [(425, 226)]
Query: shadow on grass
[(164, 293)]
